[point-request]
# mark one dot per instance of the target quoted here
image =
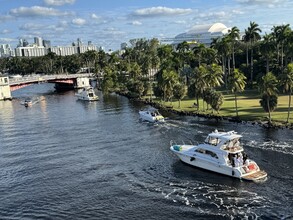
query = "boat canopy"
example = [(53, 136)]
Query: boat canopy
[(230, 135)]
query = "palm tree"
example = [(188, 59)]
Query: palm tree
[(200, 83), (179, 91), (224, 49), (237, 84), (234, 35), (89, 59), (268, 88), (287, 82), (252, 36), (169, 79), (267, 49), (281, 34), (198, 51)]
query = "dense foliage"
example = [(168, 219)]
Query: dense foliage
[(230, 63)]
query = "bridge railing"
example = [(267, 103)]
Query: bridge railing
[(42, 78)]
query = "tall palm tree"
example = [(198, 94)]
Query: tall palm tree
[(267, 49), (234, 35), (214, 76), (281, 34), (223, 48), (198, 51), (252, 36), (200, 83), (287, 82), (237, 84), (268, 88), (169, 79)]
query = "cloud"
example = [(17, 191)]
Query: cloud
[(262, 2), (31, 26), (79, 21), (98, 19), (160, 11), (58, 2), (7, 40), (4, 18), (136, 23), (5, 31), (237, 12), (180, 22), (213, 15), (36, 11)]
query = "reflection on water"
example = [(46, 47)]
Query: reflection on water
[(67, 159)]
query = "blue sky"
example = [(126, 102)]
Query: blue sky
[(108, 23)]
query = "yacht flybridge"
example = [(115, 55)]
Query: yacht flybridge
[(222, 153), (87, 94)]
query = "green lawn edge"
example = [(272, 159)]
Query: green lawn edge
[(249, 108)]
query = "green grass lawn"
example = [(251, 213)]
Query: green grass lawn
[(249, 108)]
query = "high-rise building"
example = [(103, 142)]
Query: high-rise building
[(79, 43), (38, 41), (123, 46), (6, 51), (47, 43), (25, 43)]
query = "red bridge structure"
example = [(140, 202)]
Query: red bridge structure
[(62, 82)]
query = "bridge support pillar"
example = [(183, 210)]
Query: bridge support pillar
[(5, 92)]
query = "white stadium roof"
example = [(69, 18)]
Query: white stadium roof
[(211, 28)]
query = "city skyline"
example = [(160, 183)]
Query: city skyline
[(109, 23)]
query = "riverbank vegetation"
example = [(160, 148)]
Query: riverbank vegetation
[(246, 77)]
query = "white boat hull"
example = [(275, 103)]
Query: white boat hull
[(207, 165), (87, 94), (147, 117), (85, 98), (202, 163)]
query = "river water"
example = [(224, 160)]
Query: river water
[(67, 159)]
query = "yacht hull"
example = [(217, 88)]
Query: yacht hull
[(235, 172), (147, 117)]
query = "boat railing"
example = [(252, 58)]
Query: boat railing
[(183, 143), (172, 143)]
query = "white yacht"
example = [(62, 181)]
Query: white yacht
[(151, 115), (222, 153), (87, 94)]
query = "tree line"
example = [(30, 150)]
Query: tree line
[(233, 62)]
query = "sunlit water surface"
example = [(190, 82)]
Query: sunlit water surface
[(67, 159)]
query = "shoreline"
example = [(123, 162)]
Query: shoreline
[(264, 124)]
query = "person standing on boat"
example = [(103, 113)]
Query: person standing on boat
[(236, 161), (244, 157)]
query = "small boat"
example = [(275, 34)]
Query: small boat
[(28, 102), (222, 153), (87, 94), (151, 115)]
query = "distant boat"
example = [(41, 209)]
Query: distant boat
[(87, 94), (28, 102), (222, 153), (151, 114)]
